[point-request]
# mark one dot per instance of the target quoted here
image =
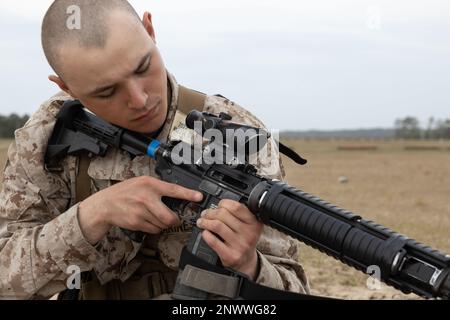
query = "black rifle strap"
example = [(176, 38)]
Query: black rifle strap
[(249, 290), (291, 154)]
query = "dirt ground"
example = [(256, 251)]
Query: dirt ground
[(406, 190)]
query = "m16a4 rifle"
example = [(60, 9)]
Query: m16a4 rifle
[(404, 263)]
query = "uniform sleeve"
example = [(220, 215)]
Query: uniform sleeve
[(36, 246), (279, 265)]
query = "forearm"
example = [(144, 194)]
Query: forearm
[(93, 223)]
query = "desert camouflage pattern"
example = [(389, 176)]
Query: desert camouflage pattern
[(40, 236)]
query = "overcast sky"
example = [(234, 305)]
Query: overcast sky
[(322, 64)]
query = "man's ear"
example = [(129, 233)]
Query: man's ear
[(60, 83), (148, 25)]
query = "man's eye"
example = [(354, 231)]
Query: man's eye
[(107, 95), (144, 69)]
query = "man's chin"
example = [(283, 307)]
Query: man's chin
[(152, 127)]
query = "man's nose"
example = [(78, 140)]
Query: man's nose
[(137, 98)]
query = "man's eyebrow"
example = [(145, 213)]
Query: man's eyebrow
[(140, 65), (101, 89), (143, 60)]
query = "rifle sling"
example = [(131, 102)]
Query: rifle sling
[(189, 100), (247, 289)]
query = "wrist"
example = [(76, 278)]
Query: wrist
[(94, 225), (252, 267)]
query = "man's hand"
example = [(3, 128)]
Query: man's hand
[(133, 204), (239, 232)]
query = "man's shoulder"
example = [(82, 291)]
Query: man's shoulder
[(26, 153), (40, 125), (48, 110), (31, 140), (218, 103)]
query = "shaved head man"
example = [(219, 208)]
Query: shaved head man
[(111, 63), (105, 55)]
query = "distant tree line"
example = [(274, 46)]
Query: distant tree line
[(405, 128), (409, 128), (8, 124)]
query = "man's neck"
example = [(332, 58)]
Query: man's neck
[(169, 104), (169, 95)]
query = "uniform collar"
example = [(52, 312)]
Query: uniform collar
[(172, 108)]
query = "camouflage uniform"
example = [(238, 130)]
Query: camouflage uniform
[(40, 235)]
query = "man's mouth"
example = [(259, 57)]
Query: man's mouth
[(150, 113)]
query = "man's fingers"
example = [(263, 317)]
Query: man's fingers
[(150, 228), (214, 242), (223, 215), (228, 256), (239, 210), (151, 218), (159, 214), (219, 228), (179, 192)]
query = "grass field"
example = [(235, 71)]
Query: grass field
[(406, 190)]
